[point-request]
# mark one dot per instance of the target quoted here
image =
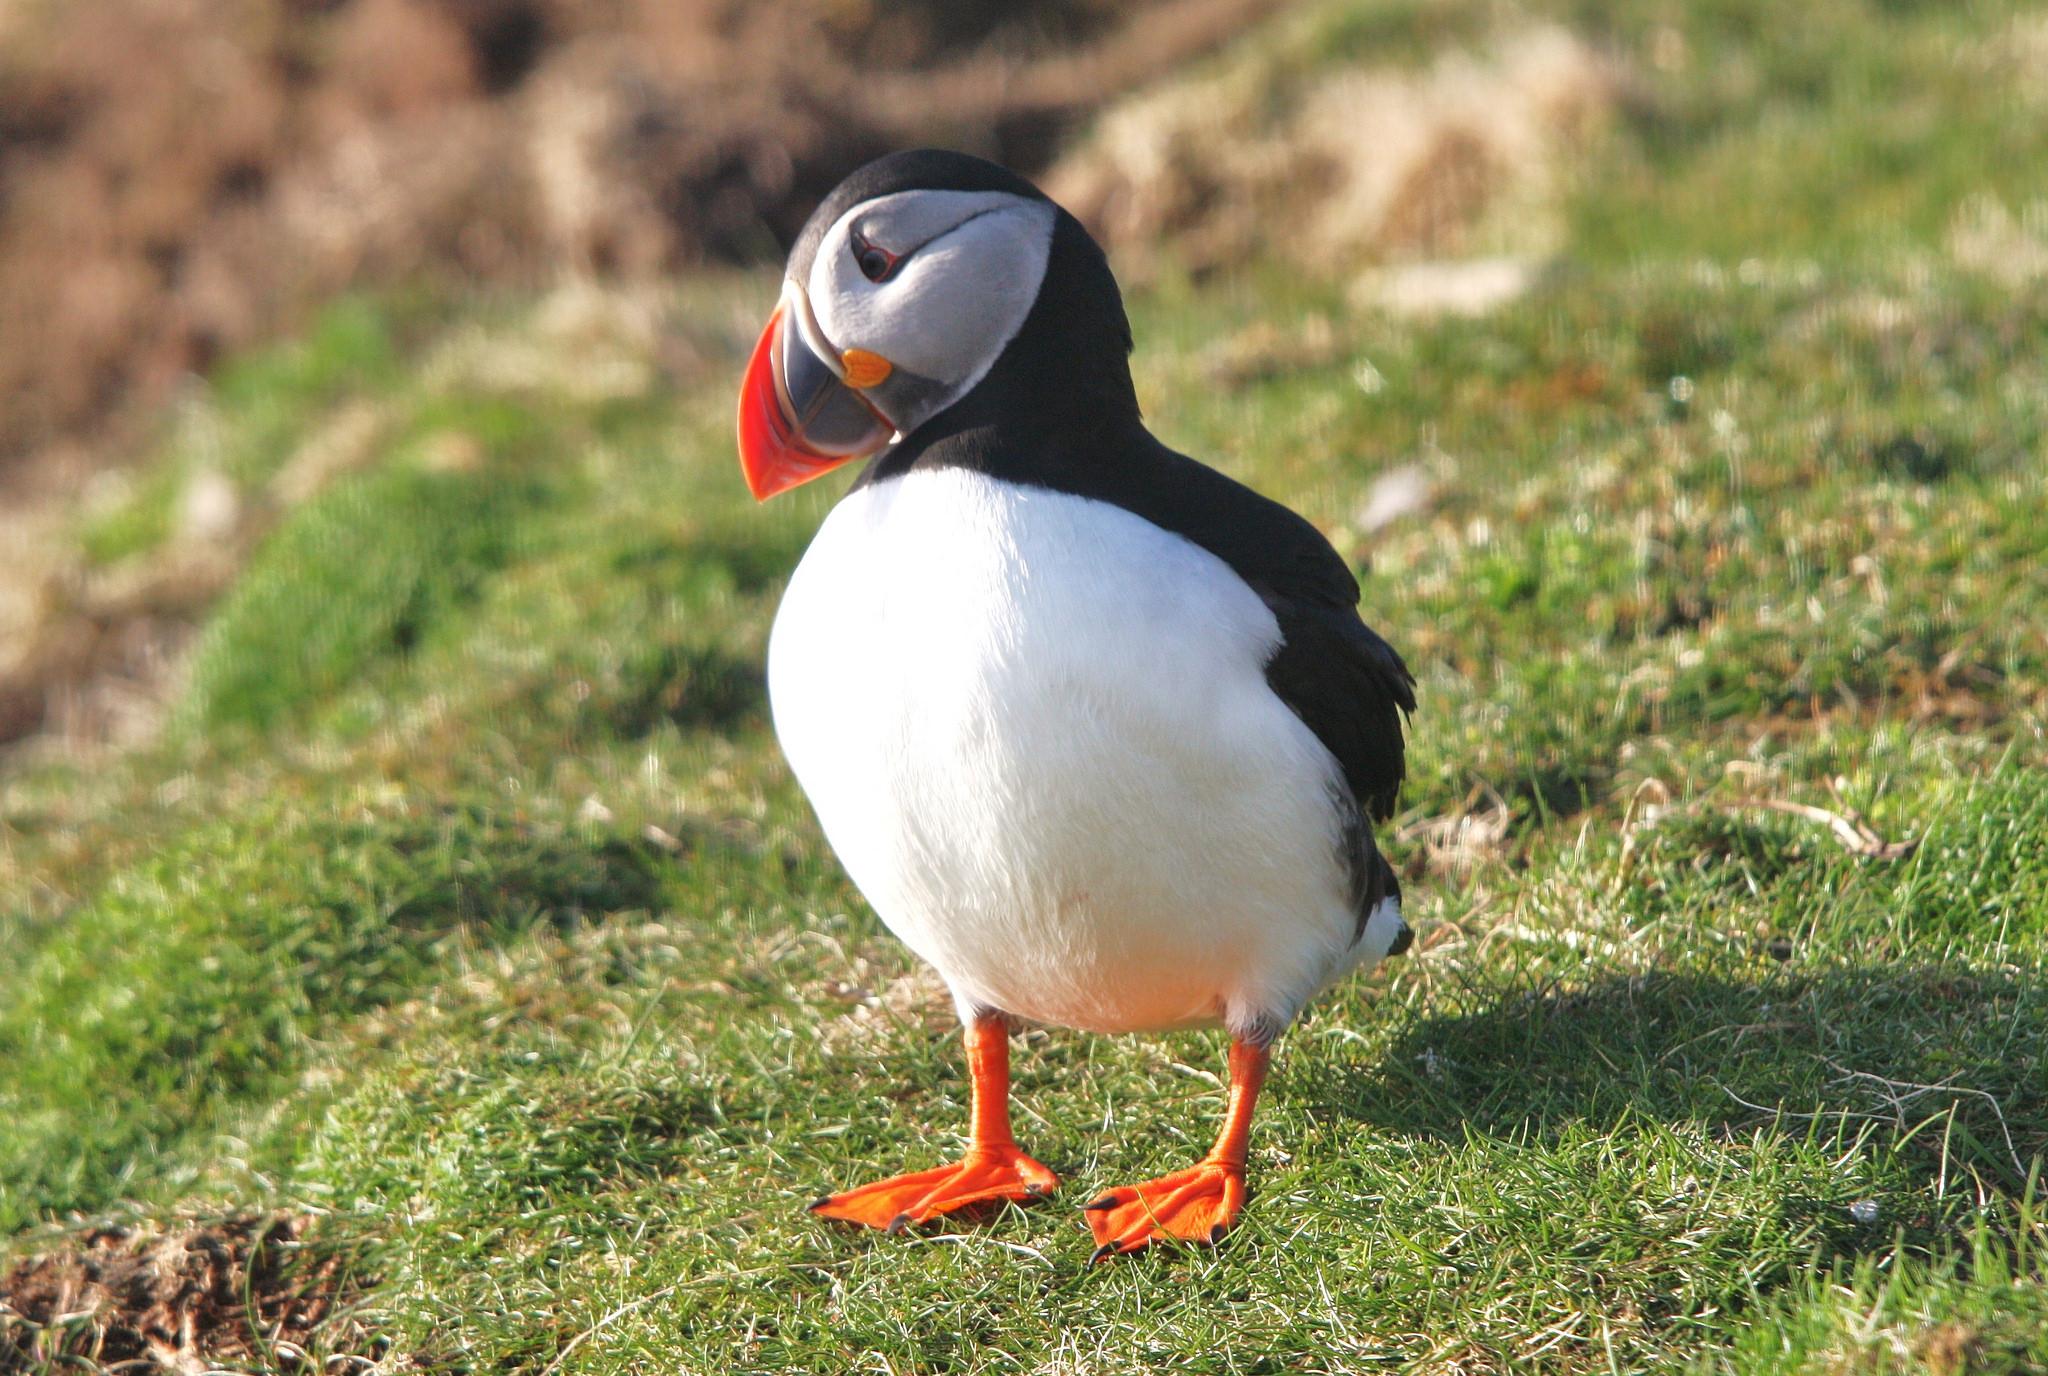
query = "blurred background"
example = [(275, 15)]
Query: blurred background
[(397, 863), (182, 180), (185, 181)]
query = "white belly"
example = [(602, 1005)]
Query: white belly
[(1037, 731)]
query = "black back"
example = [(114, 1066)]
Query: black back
[(1058, 410)]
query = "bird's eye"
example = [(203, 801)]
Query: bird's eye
[(875, 262)]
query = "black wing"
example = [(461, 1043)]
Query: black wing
[(1351, 689), (1346, 684)]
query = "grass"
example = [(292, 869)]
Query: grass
[(467, 901)]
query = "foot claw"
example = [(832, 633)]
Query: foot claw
[(1196, 1205), (902, 1202)]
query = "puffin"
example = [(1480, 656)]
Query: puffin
[(1096, 730)]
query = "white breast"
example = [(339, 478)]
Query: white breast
[(1037, 731)]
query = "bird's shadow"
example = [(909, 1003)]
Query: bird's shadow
[(1883, 1052)]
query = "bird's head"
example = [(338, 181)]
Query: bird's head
[(916, 279)]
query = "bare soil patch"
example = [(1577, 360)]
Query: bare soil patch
[(237, 1293)]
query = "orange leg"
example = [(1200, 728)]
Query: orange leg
[(993, 1168), (1197, 1204)]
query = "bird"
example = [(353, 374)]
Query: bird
[(1097, 731)]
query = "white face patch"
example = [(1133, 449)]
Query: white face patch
[(969, 265)]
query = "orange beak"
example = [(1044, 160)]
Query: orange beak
[(799, 417)]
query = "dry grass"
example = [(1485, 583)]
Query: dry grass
[(1989, 238), (1356, 167)]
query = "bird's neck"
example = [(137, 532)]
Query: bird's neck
[(1047, 436)]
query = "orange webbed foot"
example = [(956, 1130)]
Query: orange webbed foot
[(985, 1173), (1195, 1205)]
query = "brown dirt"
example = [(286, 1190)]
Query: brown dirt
[(179, 178), (237, 1293)]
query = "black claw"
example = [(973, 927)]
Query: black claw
[(1216, 1233), (816, 1204), (1107, 1249), (1107, 1201), (899, 1224)]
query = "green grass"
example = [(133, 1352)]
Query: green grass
[(254, 416), (469, 904), (357, 576)]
